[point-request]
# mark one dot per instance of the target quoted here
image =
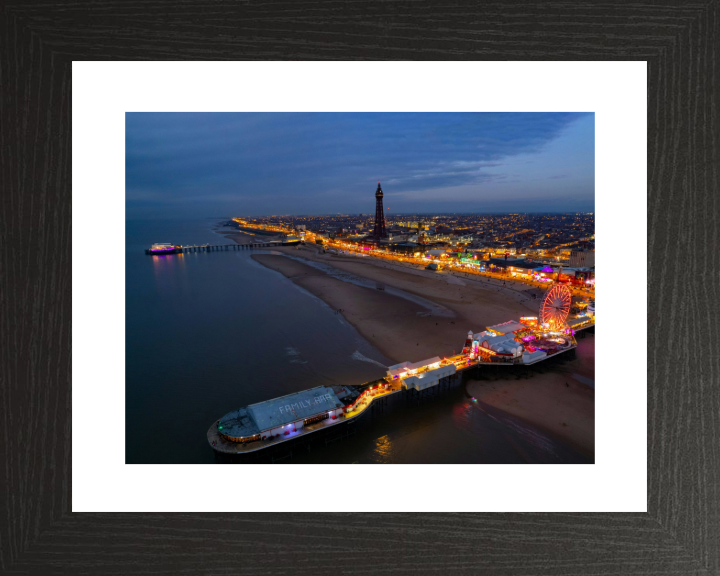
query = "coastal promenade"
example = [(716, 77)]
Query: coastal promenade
[(413, 261)]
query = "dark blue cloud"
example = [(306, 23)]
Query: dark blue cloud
[(272, 163)]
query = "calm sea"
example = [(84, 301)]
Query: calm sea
[(207, 333)]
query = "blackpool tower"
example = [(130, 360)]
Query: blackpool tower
[(379, 230)]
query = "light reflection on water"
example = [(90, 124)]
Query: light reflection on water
[(383, 449)]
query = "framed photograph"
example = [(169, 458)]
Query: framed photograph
[(303, 316), (339, 337)]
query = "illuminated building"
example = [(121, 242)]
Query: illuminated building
[(283, 416)]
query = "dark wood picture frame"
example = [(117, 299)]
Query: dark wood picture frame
[(680, 533)]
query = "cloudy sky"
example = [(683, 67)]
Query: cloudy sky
[(232, 164)]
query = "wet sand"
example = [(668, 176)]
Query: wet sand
[(388, 322), (556, 402)]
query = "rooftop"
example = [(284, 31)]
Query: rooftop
[(507, 327), (238, 424), (293, 407)]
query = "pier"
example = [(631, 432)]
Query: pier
[(225, 247), (373, 399)]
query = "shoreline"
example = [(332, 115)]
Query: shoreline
[(561, 401), (363, 308), (553, 402), (400, 328)]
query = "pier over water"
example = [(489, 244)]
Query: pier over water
[(512, 344), (222, 247)]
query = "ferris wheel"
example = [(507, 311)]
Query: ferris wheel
[(555, 306)]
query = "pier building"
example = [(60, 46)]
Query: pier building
[(285, 415)]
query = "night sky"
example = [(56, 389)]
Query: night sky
[(253, 164)]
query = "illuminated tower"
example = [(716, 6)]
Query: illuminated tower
[(379, 230)]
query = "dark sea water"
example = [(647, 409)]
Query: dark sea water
[(207, 333)]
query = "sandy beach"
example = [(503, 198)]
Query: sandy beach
[(401, 329)]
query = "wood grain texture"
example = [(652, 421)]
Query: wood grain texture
[(681, 531)]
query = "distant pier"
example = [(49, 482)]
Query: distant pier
[(225, 247)]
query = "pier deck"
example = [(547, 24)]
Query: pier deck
[(219, 444)]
